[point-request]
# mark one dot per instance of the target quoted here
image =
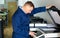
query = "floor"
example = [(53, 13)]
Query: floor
[(8, 31)]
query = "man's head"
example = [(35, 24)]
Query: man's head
[(28, 7)]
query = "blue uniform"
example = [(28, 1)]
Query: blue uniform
[(20, 22)]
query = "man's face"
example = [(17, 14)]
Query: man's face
[(28, 8)]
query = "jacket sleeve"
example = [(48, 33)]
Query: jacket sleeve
[(37, 10)]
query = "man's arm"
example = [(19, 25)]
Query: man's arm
[(40, 9), (37, 10)]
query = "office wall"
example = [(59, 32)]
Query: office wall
[(56, 3), (40, 3)]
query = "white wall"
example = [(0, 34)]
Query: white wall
[(2, 2), (21, 3), (56, 3)]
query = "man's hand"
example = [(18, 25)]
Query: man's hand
[(48, 6), (32, 33)]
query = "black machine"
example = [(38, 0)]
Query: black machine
[(54, 13), (37, 20)]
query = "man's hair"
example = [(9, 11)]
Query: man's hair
[(29, 3)]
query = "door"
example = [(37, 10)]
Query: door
[(12, 6)]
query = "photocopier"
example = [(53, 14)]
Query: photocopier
[(44, 30)]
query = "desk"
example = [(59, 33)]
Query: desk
[(3, 13)]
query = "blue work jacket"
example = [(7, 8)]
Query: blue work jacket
[(20, 22)]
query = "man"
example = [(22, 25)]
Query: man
[(21, 19)]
